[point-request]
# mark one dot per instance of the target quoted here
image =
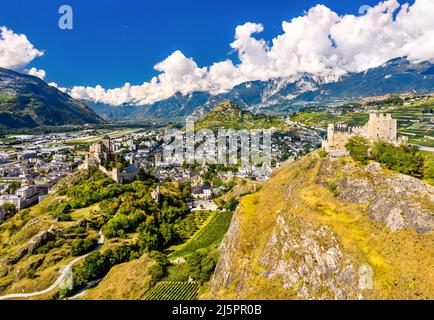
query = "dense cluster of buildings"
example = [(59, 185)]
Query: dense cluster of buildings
[(24, 196), (30, 165)]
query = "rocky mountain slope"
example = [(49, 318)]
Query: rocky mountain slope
[(330, 229), (27, 101), (280, 95)]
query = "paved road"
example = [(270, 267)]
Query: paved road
[(423, 148), (61, 277)]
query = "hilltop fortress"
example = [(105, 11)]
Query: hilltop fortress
[(101, 153), (381, 126)]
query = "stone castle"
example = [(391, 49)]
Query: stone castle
[(101, 153), (381, 126)]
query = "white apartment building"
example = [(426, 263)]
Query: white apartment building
[(16, 200), (26, 192)]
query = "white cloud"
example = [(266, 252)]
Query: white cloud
[(37, 73), (320, 42), (15, 50), (55, 85)]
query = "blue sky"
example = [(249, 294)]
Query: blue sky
[(117, 41)]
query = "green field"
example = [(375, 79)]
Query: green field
[(170, 290), (212, 234)]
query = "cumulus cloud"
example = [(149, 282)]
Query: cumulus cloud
[(37, 73), (15, 50), (320, 42)]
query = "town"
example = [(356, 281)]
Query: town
[(30, 165)]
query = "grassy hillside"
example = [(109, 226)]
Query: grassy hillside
[(318, 223), (34, 247), (126, 281), (28, 102), (139, 234)]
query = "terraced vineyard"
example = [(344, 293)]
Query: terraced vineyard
[(178, 272), (188, 226), (210, 235), (169, 290)]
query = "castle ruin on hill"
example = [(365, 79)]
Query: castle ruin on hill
[(101, 153), (381, 126)]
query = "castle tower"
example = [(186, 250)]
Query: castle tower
[(381, 126), (107, 144)]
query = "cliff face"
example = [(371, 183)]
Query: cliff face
[(329, 229)]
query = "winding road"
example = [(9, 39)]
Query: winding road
[(61, 277)]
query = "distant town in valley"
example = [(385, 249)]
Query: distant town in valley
[(30, 165)]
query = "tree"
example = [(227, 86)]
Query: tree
[(167, 233), (150, 238), (201, 265), (404, 159), (82, 246), (358, 147), (10, 208), (429, 168), (14, 186)]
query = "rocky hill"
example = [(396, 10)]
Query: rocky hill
[(27, 102), (228, 115), (323, 228)]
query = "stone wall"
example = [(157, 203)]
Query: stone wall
[(381, 126)]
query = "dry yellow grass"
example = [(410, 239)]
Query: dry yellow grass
[(127, 281), (402, 261)]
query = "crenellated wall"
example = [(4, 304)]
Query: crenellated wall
[(381, 126)]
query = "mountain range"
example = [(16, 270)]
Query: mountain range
[(27, 102), (280, 95)]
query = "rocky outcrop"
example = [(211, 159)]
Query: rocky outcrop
[(397, 200), (330, 229), (33, 244), (317, 266)]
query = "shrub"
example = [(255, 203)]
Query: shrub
[(428, 172), (322, 153), (60, 210), (404, 159), (10, 208), (333, 188), (202, 265), (231, 204), (82, 246), (358, 147)]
